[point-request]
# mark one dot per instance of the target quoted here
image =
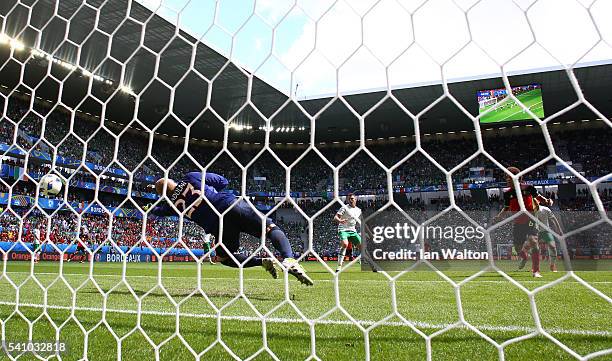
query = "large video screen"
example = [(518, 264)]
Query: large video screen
[(529, 95)]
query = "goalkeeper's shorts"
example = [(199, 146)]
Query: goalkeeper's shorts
[(350, 236), (239, 219)]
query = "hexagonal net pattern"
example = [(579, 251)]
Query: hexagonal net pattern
[(112, 95)]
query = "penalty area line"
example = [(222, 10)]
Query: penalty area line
[(364, 323)]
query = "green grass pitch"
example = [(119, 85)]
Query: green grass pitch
[(572, 313), (510, 111)]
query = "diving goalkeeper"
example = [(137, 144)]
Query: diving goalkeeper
[(186, 194)]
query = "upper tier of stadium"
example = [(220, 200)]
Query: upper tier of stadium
[(230, 83)]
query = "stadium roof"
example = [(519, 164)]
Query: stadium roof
[(230, 84)]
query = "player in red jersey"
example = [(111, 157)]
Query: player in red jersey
[(525, 231), (81, 244)]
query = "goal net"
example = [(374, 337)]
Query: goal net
[(357, 129)]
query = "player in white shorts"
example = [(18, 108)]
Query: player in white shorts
[(347, 218), (547, 218)]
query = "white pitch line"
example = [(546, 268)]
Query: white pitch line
[(538, 103), (365, 323), (85, 275)]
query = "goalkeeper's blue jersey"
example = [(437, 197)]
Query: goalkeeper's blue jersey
[(188, 191)]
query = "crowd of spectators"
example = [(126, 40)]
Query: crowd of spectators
[(105, 146), (123, 231), (573, 213), (579, 215), (585, 147)]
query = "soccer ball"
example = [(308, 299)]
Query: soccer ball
[(50, 185)]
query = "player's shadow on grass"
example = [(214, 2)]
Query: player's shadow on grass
[(211, 294)]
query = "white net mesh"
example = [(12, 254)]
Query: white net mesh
[(112, 95)]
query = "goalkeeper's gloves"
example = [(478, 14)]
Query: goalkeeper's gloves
[(147, 206)]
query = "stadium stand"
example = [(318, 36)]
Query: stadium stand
[(362, 174)]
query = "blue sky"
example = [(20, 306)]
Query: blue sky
[(405, 42)]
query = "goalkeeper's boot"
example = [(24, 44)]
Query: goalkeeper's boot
[(537, 275), (294, 268), (268, 265), (522, 263)]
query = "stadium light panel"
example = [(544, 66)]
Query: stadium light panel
[(37, 53), (15, 44), (126, 89), (67, 65), (18, 45)]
